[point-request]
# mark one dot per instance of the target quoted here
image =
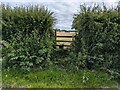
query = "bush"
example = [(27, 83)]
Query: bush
[(98, 37), (30, 36)]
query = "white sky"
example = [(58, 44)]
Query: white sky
[(63, 9)]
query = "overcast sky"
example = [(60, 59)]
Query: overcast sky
[(63, 9)]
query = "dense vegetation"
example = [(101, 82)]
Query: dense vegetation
[(28, 40), (28, 37), (97, 43)]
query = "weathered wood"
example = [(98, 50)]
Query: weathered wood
[(64, 38), (65, 33)]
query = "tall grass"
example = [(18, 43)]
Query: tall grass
[(57, 79)]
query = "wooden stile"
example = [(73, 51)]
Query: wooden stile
[(64, 38)]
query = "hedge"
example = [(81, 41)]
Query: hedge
[(98, 39), (28, 36)]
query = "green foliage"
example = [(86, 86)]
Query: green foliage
[(98, 38), (29, 36)]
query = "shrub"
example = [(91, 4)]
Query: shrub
[(98, 37), (30, 35)]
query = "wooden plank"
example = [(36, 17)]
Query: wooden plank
[(63, 39), (65, 33)]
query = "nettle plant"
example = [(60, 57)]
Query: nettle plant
[(28, 37), (98, 38)]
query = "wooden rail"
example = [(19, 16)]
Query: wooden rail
[(64, 39)]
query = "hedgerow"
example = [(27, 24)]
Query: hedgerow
[(98, 38), (28, 36), (28, 39)]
